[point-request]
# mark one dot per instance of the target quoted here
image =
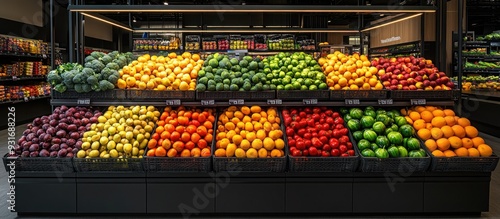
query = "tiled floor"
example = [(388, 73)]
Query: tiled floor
[(494, 190)]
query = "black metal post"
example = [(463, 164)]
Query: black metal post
[(360, 26), (422, 35), (460, 45), (130, 34), (443, 34), (77, 34), (52, 37), (82, 35), (71, 48), (437, 35)]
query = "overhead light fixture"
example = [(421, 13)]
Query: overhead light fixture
[(133, 19), (249, 9), (108, 21), (329, 21), (165, 3), (392, 22), (243, 31)]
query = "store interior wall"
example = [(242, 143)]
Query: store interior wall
[(97, 29), (24, 11), (451, 26)]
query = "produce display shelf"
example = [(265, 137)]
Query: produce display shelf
[(481, 71), (108, 165), (23, 78), (23, 55), (102, 95), (431, 95), (23, 100), (134, 94), (300, 95), (226, 95), (462, 164), (40, 164), (358, 94)]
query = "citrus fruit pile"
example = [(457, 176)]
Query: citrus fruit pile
[(249, 132), (173, 72), (445, 134), (349, 72), (182, 133)]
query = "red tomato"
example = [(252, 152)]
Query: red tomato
[(289, 131), (291, 143), (329, 120), (301, 132), (316, 142), (327, 147), (343, 149), (297, 153), (325, 126), (345, 155), (350, 152), (329, 112), (336, 133), (316, 110), (305, 152), (325, 154), (334, 143), (301, 145), (303, 114), (307, 135), (349, 145), (313, 151), (344, 139), (335, 115), (323, 139), (335, 152), (308, 143), (339, 126)]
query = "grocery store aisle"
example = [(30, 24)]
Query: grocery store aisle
[(6, 214)]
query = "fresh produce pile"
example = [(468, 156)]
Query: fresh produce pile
[(182, 133), (410, 73), (349, 72), (57, 135), (315, 132), (297, 71), (479, 82), (249, 132), (482, 65), (445, 134), (172, 72), (491, 36), (220, 73), (99, 73), (119, 133), (382, 134)]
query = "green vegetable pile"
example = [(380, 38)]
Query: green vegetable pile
[(382, 134), (491, 36), (482, 65), (99, 73)]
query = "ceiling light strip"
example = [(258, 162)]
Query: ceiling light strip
[(391, 22), (250, 8), (116, 24), (241, 31)]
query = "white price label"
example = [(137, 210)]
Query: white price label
[(14, 78), (173, 102), (26, 99), (418, 102), (83, 102), (275, 102), (207, 102), (352, 102), (310, 101), (385, 102), (237, 102)]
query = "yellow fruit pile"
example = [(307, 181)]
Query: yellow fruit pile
[(173, 72), (249, 132), (445, 134), (349, 72)]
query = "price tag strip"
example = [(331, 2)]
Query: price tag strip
[(207, 102), (236, 102), (83, 102), (385, 102), (352, 102), (275, 102), (173, 102), (418, 101), (310, 101)]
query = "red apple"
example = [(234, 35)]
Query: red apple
[(396, 71), (413, 74), (400, 87), (412, 87), (403, 82), (393, 87), (406, 88), (389, 68), (411, 81), (419, 85), (392, 60), (407, 75), (398, 66), (386, 83), (421, 72), (445, 79), (433, 83), (400, 76), (394, 76), (442, 74), (428, 88), (438, 81), (400, 59), (394, 82), (427, 83), (450, 84), (419, 78), (433, 77), (407, 60)]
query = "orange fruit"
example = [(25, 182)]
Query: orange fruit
[(463, 122), (428, 126), (484, 150), (414, 116), (473, 152), (471, 131), (449, 112), (438, 121), (426, 116), (438, 112), (431, 144), (419, 124), (420, 109), (455, 142), (443, 144), (409, 120), (436, 133), (467, 143), (459, 131), (404, 112), (477, 141), (430, 108), (424, 134), (449, 153), (450, 120), (462, 152), (438, 153), (220, 152), (447, 131)]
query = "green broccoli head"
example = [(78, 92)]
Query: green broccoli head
[(97, 55), (113, 65), (78, 88), (86, 88), (61, 88), (78, 78), (113, 54), (106, 85), (106, 59), (53, 78), (89, 59), (113, 79), (87, 72), (92, 80), (95, 65)]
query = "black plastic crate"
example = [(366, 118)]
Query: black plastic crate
[(422, 94), (277, 164), (414, 164), (358, 94), (108, 164), (226, 95), (323, 164), (463, 164), (134, 94), (102, 95), (178, 164), (40, 164), (300, 94)]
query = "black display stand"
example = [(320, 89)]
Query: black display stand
[(250, 192)]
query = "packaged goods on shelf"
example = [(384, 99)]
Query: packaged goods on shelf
[(281, 41), (222, 42), (260, 42), (241, 42), (305, 43), (21, 45), (157, 44), (209, 43), (22, 68), (25, 91), (249, 41), (192, 42)]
